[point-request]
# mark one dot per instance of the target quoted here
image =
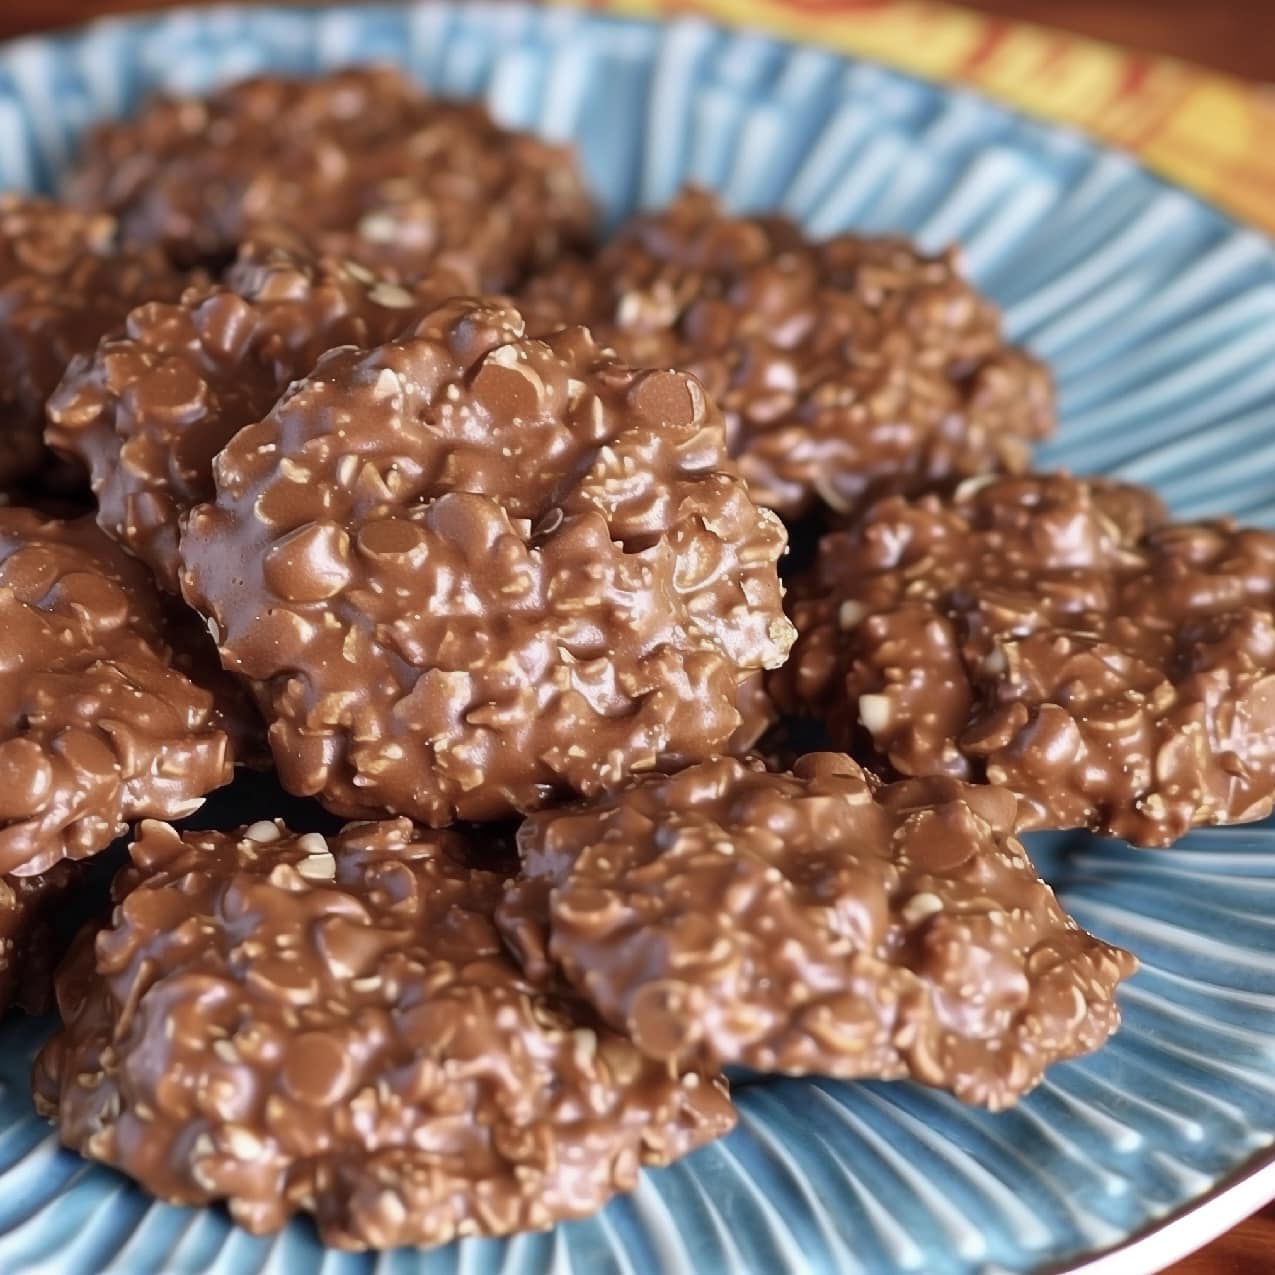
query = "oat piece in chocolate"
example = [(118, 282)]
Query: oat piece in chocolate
[(1056, 635), (152, 407), (360, 163), (64, 283), (842, 367), (815, 922), (97, 725), (293, 1024), (29, 947), (471, 572)]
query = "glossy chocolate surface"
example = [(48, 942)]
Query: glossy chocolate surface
[(815, 922), (471, 573), (293, 1023)]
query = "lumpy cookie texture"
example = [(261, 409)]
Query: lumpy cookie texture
[(507, 567), (293, 1024), (1057, 635), (149, 410), (471, 572), (815, 922), (64, 283), (97, 725), (842, 368), (359, 163)]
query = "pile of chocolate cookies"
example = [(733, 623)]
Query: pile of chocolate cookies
[(334, 446)]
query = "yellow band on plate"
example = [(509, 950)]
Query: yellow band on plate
[(1208, 131)]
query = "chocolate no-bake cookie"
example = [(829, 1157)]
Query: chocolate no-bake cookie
[(97, 725), (359, 163), (471, 572), (152, 407), (64, 283), (842, 368), (815, 922), (1057, 635), (333, 1026)]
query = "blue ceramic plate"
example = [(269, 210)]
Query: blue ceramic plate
[(1159, 316)]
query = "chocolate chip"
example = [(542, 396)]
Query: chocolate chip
[(310, 564)]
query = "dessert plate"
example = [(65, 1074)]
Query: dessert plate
[(1158, 315)]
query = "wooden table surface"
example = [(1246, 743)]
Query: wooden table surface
[(1232, 35)]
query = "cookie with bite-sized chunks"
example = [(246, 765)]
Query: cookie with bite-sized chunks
[(1058, 635), (332, 1026), (843, 367), (470, 572), (815, 922), (359, 163), (98, 724), (152, 406)]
